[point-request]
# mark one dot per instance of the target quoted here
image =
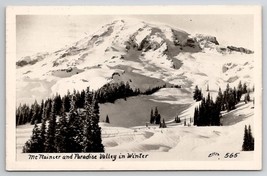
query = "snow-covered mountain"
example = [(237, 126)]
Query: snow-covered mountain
[(141, 53)]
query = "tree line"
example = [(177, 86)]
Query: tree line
[(208, 112), (108, 93), (35, 112), (76, 130), (70, 123), (113, 91)]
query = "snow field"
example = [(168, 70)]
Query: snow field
[(182, 142)]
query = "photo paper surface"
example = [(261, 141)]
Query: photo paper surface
[(134, 88)]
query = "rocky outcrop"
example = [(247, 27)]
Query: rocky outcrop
[(240, 49), (30, 60), (206, 38)]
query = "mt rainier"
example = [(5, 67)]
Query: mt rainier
[(146, 55)]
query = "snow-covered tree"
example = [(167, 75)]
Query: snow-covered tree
[(97, 145), (51, 131), (75, 125), (197, 94), (34, 144), (66, 102), (92, 141), (62, 134)]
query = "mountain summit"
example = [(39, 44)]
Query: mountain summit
[(141, 53)]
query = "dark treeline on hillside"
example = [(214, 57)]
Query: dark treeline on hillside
[(35, 112), (208, 112), (113, 91), (67, 128), (108, 93)]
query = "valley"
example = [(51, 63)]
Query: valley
[(146, 56)]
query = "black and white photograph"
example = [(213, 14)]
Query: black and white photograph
[(119, 88)]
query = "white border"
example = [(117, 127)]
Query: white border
[(12, 164)]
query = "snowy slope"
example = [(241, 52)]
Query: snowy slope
[(154, 51), (184, 141), (181, 142)]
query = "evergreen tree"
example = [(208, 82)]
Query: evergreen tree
[(97, 145), (43, 132), (48, 108), (107, 119), (78, 99), (235, 96), (75, 125), (82, 100), (28, 117), (137, 91), (220, 100), (247, 97), (163, 125), (62, 134), (156, 112), (152, 117), (128, 89), (18, 112), (245, 139), (244, 88), (57, 104), (36, 109), (200, 95), (197, 94), (66, 102), (231, 100), (216, 114), (248, 140), (40, 115), (19, 115), (239, 91), (196, 115), (92, 141), (88, 129), (208, 112), (33, 145), (157, 116), (177, 119), (208, 89), (51, 131)]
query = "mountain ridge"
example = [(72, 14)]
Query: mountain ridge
[(148, 50)]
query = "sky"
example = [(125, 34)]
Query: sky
[(47, 33)]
